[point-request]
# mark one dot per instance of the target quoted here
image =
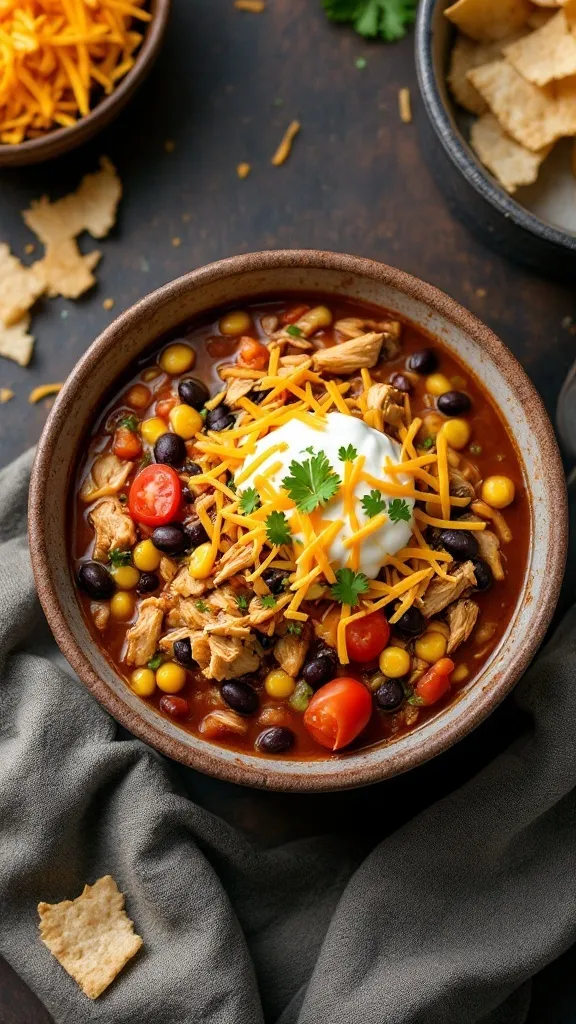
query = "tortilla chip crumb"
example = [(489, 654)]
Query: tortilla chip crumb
[(29, 248), (481, 293), (66, 271), (169, 146), (404, 106), (16, 343), (285, 147), (176, 242), (20, 286), (512, 164), (243, 170), (5, 395), (42, 391), (92, 207), (91, 937), (108, 303), (254, 6), (185, 218)]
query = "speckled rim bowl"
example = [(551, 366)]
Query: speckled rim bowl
[(241, 279), (62, 140)]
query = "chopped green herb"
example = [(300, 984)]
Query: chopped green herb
[(146, 460), (130, 422), (203, 413), (360, 63), (294, 331), (249, 501), (156, 661), (311, 483), (231, 486), (348, 587), (428, 443), (373, 503), (301, 697), (202, 606), (242, 602), (278, 529), (415, 700), (118, 557), (348, 453), (295, 628), (268, 600), (398, 509), (476, 449), (370, 18), (310, 450)]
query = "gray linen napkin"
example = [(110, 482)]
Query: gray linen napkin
[(444, 921)]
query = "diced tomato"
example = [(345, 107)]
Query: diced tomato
[(165, 405), (366, 638), (293, 314), (435, 682), (253, 354), (155, 495), (338, 712), (126, 444)]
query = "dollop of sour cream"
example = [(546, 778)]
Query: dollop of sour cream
[(334, 431)]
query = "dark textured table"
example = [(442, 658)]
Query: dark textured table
[(224, 90)]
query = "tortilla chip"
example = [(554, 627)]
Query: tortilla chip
[(91, 208), (534, 116), (540, 16), (468, 54), (20, 286), (92, 937), (485, 20), (546, 54), (65, 271), (16, 343), (510, 163)]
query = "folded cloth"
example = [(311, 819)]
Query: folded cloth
[(445, 920)]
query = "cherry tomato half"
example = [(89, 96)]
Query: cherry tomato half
[(338, 712), (435, 682), (155, 495), (253, 354), (366, 638)]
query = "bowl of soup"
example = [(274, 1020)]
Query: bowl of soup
[(307, 520)]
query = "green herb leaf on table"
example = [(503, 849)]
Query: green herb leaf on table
[(156, 661), (295, 628), (294, 331), (399, 509), (242, 602), (373, 503), (387, 18), (268, 600), (118, 557), (278, 529), (129, 422), (348, 453), (311, 483), (249, 501), (348, 587), (202, 606)]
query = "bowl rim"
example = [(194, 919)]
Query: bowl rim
[(207, 758), (60, 140), (457, 149)]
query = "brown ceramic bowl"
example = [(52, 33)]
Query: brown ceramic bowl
[(61, 140), (239, 279)]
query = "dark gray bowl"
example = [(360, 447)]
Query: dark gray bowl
[(473, 194)]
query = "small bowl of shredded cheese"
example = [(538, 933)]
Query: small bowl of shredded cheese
[(67, 68)]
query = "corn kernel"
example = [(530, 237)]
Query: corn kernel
[(122, 605), (394, 662), (438, 626), (152, 429), (431, 647), (146, 557), (177, 358), (138, 397), (170, 677), (186, 421), (314, 320), (498, 491), (151, 373), (459, 674), (457, 433), (201, 561), (125, 576), (143, 682), (437, 384), (234, 324), (279, 684)]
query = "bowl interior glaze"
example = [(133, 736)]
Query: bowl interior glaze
[(239, 279)]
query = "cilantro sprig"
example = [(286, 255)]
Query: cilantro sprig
[(129, 422), (118, 557), (373, 503), (202, 606), (278, 529), (268, 601), (311, 483), (348, 587), (249, 501), (295, 628), (348, 453), (398, 509), (370, 18), (242, 602)]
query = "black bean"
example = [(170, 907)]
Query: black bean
[(411, 624), (401, 382), (390, 695), (170, 449), (94, 578), (187, 496), (257, 396), (454, 403), (275, 580), (193, 392), (317, 671), (219, 418), (483, 574), (171, 538), (266, 642), (424, 361), (461, 544), (192, 469), (195, 534), (183, 651), (148, 582), (176, 707), (275, 740), (240, 696)]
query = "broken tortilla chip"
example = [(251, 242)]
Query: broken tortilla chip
[(5, 395), (20, 286), (92, 937), (65, 271), (16, 343), (487, 20), (534, 116), (91, 208), (546, 54), (510, 163), (466, 55)]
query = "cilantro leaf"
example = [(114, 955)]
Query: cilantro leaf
[(202, 606), (268, 600), (428, 443), (348, 587), (146, 460), (156, 661), (242, 602), (295, 628), (249, 501), (278, 529), (387, 18), (294, 331), (348, 453), (129, 422), (373, 503), (231, 486), (415, 700), (311, 483), (399, 509), (118, 557)]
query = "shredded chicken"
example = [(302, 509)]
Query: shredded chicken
[(168, 569), (290, 651), (184, 585), (294, 360), (166, 643), (461, 617), (229, 658), (223, 599), (194, 613), (460, 487), (258, 612), (419, 667), (113, 528), (480, 508), (218, 723), (349, 356), (441, 592), (200, 649), (100, 613), (107, 476), (489, 546), (269, 323), (355, 327), (237, 389), (389, 400), (227, 625), (238, 557), (142, 638)]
